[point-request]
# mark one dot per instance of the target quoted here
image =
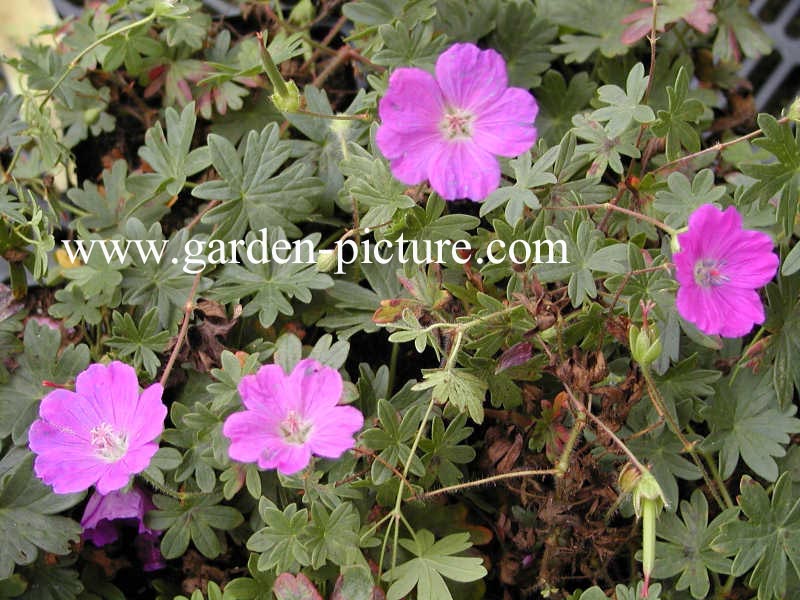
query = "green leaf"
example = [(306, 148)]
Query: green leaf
[(333, 537), (579, 255), (371, 185), (10, 123), (623, 105), (736, 27), (675, 123), (281, 540), (768, 541), (192, 519), (141, 342), (169, 155), (51, 582), (273, 284), (72, 306), (791, 263), (29, 519), (443, 450), (558, 102), (393, 439), (778, 177), (525, 41), (165, 283), (603, 149), (519, 196), (599, 26), (190, 28), (467, 22), (19, 398), (251, 193), (460, 387), (745, 420), (432, 563), (784, 320), (687, 549), (403, 46), (684, 197)]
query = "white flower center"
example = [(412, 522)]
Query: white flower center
[(294, 429), (457, 124), (708, 273), (108, 444)]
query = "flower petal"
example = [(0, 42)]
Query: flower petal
[(506, 127), (292, 458), (268, 390), (336, 436), (409, 152), (471, 78), (463, 170), (112, 391), (722, 310), (413, 104), (249, 432), (147, 422), (68, 475), (320, 385)]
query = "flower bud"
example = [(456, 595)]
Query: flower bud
[(648, 502), (289, 100), (645, 344), (90, 115), (303, 13), (326, 261), (794, 110)]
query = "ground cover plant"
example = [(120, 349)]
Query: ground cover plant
[(418, 299)]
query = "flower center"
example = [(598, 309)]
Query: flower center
[(108, 444), (457, 124), (294, 429), (708, 273)]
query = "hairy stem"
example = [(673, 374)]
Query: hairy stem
[(98, 42)]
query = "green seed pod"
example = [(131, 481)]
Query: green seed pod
[(290, 100), (794, 110), (645, 344), (326, 261)]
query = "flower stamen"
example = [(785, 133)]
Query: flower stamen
[(108, 444), (457, 124), (708, 273), (294, 429)]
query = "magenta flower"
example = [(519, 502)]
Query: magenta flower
[(100, 434), (719, 268), (290, 417), (101, 512), (449, 129)]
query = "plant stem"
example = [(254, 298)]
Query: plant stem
[(661, 409), (626, 211), (393, 367), (718, 147), (563, 461), (188, 307), (580, 408), (98, 42), (485, 480), (167, 491)]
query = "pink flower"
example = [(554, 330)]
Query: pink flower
[(449, 129), (101, 512), (719, 268), (100, 434), (290, 417)]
